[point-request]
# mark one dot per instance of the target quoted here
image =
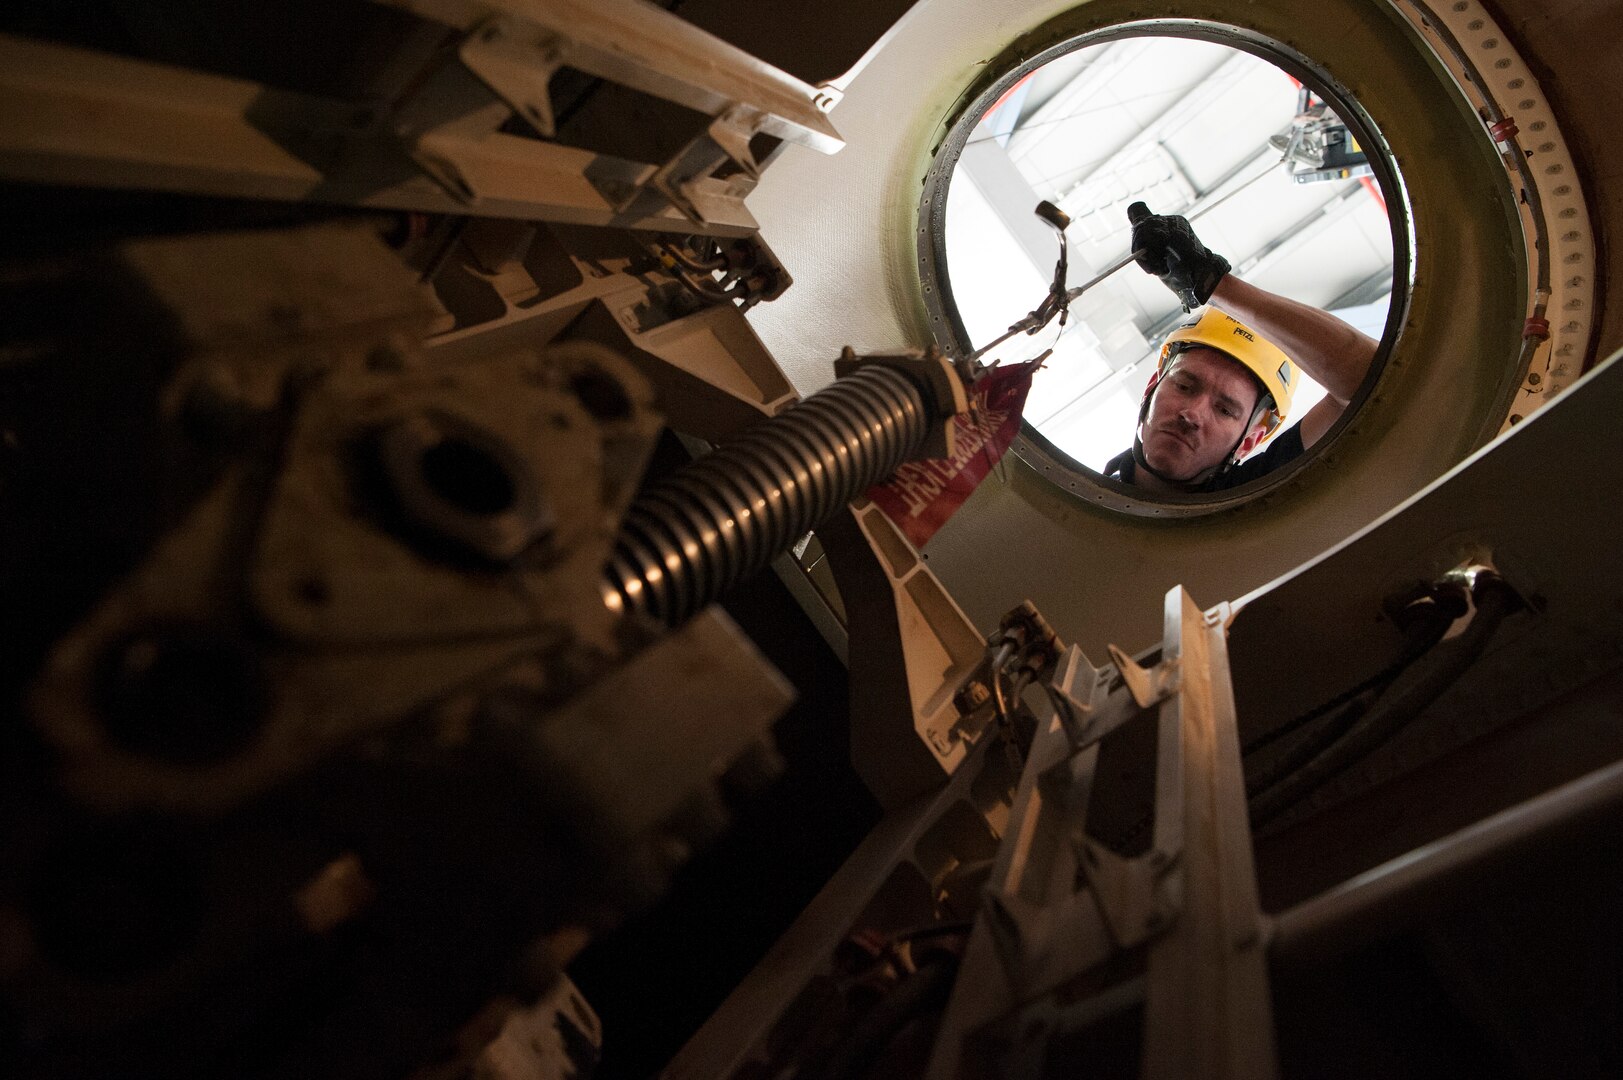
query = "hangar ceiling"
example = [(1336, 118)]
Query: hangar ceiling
[(1186, 126)]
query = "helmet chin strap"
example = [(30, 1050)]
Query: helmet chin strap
[(1195, 483)]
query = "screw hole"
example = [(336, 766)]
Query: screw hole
[(603, 396), (467, 477)]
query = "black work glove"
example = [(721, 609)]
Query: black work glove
[(1169, 249)]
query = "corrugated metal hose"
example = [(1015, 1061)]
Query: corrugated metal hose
[(693, 534)]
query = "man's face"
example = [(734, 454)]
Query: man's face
[(1199, 412)]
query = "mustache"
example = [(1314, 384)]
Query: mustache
[(1178, 432)]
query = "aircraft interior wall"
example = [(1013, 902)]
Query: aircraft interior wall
[(859, 255)]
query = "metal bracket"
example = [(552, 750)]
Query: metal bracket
[(946, 390), (1149, 686), (451, 107), (732, 132), (727, 139), (1040, 946), (1076, 681), (518, 72), (678, 179), (1087, 711), (513, 49), (1191, 897), (828, 96), (1125, 890)]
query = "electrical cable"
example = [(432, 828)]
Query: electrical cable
[(1422, 633), (702, 287), (999, 701), (1425, 630), (1403, 700), (698, 266)]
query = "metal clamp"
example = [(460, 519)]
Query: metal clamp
[(939, 378), (1149, 686)]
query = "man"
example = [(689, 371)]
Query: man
[(1224, 384)]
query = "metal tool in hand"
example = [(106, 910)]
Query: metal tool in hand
[(1058, 300)]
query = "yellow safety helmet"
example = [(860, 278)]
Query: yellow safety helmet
[(1218, 330)]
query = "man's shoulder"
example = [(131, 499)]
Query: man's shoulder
[(1282, 450), (1120, 467)]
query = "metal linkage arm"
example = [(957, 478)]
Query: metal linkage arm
[(637, 44), (514, 47), (69, 116)]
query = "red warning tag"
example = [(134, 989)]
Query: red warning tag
[(921, 495)]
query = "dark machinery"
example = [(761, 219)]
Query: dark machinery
[(363, 662)]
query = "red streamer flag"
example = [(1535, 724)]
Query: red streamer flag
[(921, 495)]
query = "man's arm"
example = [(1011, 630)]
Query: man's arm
[(1332, 352)]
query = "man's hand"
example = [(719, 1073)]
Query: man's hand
[(1169, 249)]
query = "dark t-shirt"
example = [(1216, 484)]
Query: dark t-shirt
[(1283, 449)]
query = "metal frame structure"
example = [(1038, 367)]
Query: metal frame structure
[(68, 116), (1059, 904), (1071, 931), (986, 751)]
